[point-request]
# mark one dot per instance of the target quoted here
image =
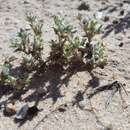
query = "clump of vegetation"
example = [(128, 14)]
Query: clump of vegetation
[(63, 47), (29, 43), (7, 78), (94, 52), (68, 48)]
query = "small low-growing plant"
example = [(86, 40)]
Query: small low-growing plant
[(29, 43), (7, 78), (68, 48), (94, 52), (62, 47)]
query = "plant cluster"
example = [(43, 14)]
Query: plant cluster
[(94, 52), (8, 78), (62, 47), (29, 43), (66, 49)]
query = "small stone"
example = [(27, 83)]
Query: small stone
[(9, 110), (61, 109), (126, 1), (120, 38), (22, 113), (2, 104), (121, 19), (84, 6), (32, 111), (26, 2), (109, 127), (79, 96), (122, 12), (121, 44), (103, 3), (121, 4), (8, 7), (112, 9), (115, 22), (106, 19)]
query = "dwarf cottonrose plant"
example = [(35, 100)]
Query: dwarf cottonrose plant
[(29, 43), (67, 49), (7, 77), (94, 52), (62, 47)]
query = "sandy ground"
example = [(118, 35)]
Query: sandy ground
[(12, 17)]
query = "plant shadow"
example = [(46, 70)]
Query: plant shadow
[(47, 85), (120, 26)]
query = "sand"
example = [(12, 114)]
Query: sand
[(12, 18)]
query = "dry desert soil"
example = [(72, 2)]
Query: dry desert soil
[(57, 110)]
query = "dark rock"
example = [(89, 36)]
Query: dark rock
[(22, 113), (120, 38), (122, 12), (9, 110), (126, 1), (79, 96), (84, 6), (103, 8), (32, 111), (2, 104), (121, 44), (61, 109), (103, 2), (106, 19), (112, 9), (121, 4), (107, 128), (26, 2), (115, 22)]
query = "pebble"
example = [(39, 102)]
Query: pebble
[(103, 3), (9, 110), (84, 6), (121, 44), (115, 22), (120, 38), (106, 19), (26, 2), (121, 4), (61, 109), (122, 12), (126, 1), (112, 9), (22, 112)]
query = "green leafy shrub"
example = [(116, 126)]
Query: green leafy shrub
[(94, 54), (63, 46), (29, 43), (7, 78), (99, 55), (68, 48)]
